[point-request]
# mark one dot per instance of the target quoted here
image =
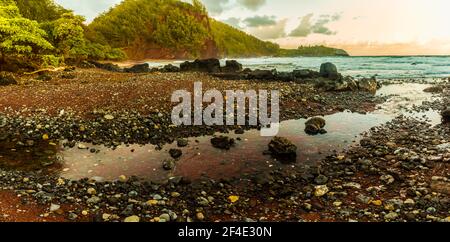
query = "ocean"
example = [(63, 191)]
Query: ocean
[(383, 67)]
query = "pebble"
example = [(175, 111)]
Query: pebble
[(175, 194), (352, 185), (391, 216), (54, 207), (200, 216), (91, 191), (109, 117), (93, 200), (165, 217), (123, 178), (321, 180), (321, 190), (363, 199), (409, 201), (388, 179), (72, 216), (132, 219), (337, 203)]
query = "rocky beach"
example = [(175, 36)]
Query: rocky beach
[(96, 143)]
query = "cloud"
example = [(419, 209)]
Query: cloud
[(304, 29), (235, 22), (88, 8), (274, 31), (215, 7), (307, 26), (252, 4), (257, 21)]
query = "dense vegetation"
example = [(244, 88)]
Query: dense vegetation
[(312, 51), (45, 34), (37, 33), (234, 43), (154, 28)]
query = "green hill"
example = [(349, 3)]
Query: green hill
[(312, 51), (45, 34), (40, 10), (172, 29)]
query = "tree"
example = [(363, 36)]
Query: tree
[(40, 10), (18, 35), (68, 35), (180, 30)]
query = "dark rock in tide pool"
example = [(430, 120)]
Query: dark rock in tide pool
[(168, 165), (222, 142), (175, 153), (140, 68), (206, 65), (446, 115), (283, 149), (315, 126), (182, 142), (232, 66), (329, 70)]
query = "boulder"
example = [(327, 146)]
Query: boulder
[(344, 84), (140, 68), (107, 66), (315, 126), (368, 85), (329, 70), (6, 80), (222, 142), (170, 68), (446, 115), (205, 65), (305, 74), (232, 66), (283, 149), (175, 153), (285, 76), (262, 74)]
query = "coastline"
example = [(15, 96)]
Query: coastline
[(343, 180)]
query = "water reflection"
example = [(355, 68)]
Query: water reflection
[(201, 159)]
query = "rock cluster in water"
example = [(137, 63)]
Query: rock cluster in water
[(315, 126), (328, 78)]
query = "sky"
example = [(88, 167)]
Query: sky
[(362, 27)]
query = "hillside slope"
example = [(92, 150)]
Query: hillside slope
[(172, 29)]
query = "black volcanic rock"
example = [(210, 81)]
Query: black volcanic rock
[(329, 70), (283, 149), (205, 65), (140, 68), (232, 66)]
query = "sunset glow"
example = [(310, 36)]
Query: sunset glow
[(362, 27)]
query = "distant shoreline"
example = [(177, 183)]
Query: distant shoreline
[(127, 63)]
